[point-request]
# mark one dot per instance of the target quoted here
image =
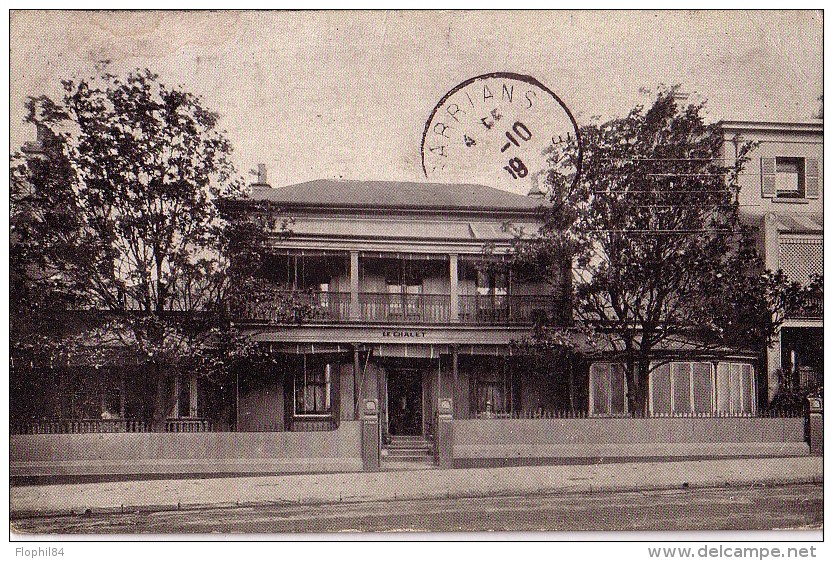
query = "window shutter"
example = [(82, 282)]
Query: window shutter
[(811, 179), (768, 177)]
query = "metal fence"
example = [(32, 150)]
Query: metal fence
[(582, 414), (93, 426)]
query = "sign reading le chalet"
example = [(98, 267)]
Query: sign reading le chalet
[(404, 334)]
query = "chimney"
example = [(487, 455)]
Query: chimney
[(681, 97), (261, 177), (35, 148), (535, 192)]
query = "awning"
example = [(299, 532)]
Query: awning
[(804, 223), (310, 348), (382, 350), (308, 252), (468, 231), (405, 256)]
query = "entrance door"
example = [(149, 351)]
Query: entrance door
[(405, 402)]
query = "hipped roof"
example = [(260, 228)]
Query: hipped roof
[(394, 195)]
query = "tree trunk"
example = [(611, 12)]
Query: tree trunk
[(159, 413), (643, 365)]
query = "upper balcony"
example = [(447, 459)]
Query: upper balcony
[(379, 288), (380, 307)]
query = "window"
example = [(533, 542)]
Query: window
[(313, 388), (403, 300), (111, 401), (789, 178), (324, 295), (404, 284), (681, 387), (735, 388), (184, 393), (492, 290), (493, 389), (607, 389)]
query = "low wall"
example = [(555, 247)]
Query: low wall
[(484, 442), (104, 454)]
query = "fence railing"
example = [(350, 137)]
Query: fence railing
[(496, 309), (581, 414), (188, 425), (97, 426), (78, 426)]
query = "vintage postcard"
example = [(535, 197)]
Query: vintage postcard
[(306, 273)]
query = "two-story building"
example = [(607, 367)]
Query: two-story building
[(781, 195), (408, 306)]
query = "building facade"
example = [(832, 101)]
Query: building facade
[(781, 195), (408, 307)]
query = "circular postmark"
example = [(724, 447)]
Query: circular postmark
[(499, 129)]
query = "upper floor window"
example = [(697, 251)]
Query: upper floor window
[(789, 178)]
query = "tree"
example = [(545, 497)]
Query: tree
[(121, 208), (655, 238)]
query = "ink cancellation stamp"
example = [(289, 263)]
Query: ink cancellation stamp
[(497, 129)]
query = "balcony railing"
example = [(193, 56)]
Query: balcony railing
[(497, 309), (813, 308), (405, 308), (384, 307), (309, 306)]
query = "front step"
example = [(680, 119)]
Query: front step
[(407, 452)]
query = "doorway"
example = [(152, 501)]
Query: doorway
[(404, 402)]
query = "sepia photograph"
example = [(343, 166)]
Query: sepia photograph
[(416, 274)]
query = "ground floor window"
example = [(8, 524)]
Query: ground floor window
[(607, 389), (735, 388), (112, 400), (313, 390), (676, 388), (184, 397), (493, 393), (681, 387)]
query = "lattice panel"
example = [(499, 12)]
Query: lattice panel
[(801, 259)]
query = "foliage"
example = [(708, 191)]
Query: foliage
[(655, 239), (119, 212), (792, 394)]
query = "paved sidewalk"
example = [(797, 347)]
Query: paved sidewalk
[(392, 485)]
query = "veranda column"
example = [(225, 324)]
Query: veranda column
[(453, 291), (771, 241), (354, 286), (454, 384), (357, 390)]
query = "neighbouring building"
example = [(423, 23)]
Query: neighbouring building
[(781, 194)]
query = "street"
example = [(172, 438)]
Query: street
[(725, 508)]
